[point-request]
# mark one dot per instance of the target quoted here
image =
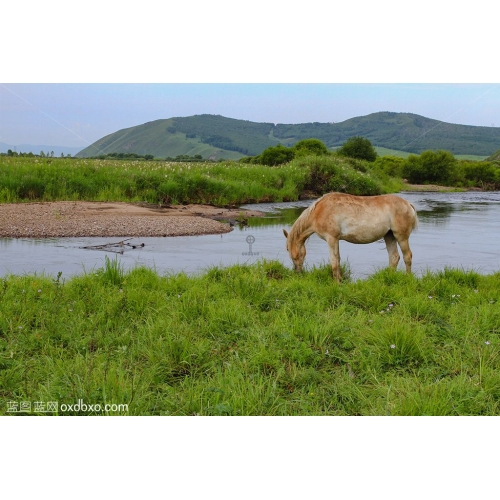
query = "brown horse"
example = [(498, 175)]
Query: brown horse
[(356, 219)]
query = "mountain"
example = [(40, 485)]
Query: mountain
[(206, 135), (216, 136), (35, 149), (495, 156)]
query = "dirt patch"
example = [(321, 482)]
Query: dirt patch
[(429, 187), (80, 218)]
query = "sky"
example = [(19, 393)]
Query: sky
[(76, 115)]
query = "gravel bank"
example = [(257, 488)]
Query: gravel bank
[(78, 219)]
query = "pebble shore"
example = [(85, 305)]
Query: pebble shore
[(83, 219)]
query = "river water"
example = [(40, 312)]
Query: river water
[(459, 230)]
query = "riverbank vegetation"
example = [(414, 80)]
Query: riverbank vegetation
[(278, 174), (441, 167), (223, 183), (252, 340)]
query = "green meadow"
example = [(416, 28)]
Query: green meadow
[(251, 340), (25, 179)]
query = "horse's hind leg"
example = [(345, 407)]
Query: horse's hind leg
[(407, 255), (392, 249), (333, 245)]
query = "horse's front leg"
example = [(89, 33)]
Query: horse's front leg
[(333, 245)]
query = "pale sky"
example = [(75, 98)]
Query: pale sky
[(70, 114)]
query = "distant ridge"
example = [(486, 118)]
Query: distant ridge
[(36, 148), (217, 136)]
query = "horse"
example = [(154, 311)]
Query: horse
[(356, 219)]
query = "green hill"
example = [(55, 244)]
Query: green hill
[(206, 135), (495, 156), (400, 131), (216, 136)]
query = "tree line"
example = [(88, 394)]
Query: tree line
[(148, 157), (42, 154), (355, 147)]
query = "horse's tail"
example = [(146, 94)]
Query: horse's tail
[(415, 220)]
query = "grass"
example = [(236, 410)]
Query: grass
[(225, 183), (252, 340), (381, 151)]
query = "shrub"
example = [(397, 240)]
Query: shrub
[(390, 165), (330, 173), (431, 167), (480, 173), (276, 155), (310, 147), (279, 155), (358, 147)]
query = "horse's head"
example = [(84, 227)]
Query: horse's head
[(297, 251)]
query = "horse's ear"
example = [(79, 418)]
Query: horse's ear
[(285, 233)]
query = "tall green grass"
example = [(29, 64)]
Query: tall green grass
[(227, 183), (253, 340)]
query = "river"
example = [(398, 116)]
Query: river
[(459, 230)]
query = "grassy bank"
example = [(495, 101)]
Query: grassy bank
[(258, 340), (228, 183)]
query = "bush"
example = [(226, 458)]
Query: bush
[(276, 155), (414, 171), (390, 165), (330, 173), (358, 147), (310, 147), (279, 155), (480, 173), (431, 167)]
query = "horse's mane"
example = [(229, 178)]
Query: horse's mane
[(302, 223)]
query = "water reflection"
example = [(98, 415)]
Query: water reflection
[(437, 213), (285, 217), (6, 243)]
